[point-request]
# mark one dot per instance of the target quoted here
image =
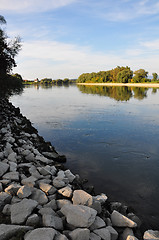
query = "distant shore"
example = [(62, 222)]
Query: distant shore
[(150, 85)]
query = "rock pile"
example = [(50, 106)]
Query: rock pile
[(41, 200)]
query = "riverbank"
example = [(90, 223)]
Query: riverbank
[(40, 199), (146, 85)]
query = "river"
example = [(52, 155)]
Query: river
[(110, 136)]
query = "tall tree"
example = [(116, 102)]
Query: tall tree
[(140, 75), (155, 76), (8, 50)]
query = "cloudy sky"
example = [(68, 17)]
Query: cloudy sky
[(65, 38)]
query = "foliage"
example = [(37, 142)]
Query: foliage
[(140, 76), (155, 76), (125, 75)]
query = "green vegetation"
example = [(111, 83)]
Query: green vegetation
[(117, 93), (117, 75), (8, 51)]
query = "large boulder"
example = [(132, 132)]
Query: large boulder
[(78, 215), (20, 211)]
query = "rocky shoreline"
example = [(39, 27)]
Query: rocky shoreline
[(40, 199)]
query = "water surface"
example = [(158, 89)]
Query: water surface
[(110, 135)]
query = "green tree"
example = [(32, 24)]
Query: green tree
[(140, 76), (8, 50), (125, 75), (155, 76)]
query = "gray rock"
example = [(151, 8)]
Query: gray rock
[(151, 235), (30, 157), (39, 196), (12, 189), (33, 171), (134, 218), (58, 183), (52, 204), (42, 159), (113, 233), (133, 238), (80, 234), (7, 210), (15, 200), (66, 191), (20, 211), (103, 233), (60, 237), (94, 236), (30, 181), (1, 187), (50, 154), (13, 166), (41, 234), (78, 215), (3, 168), (69, 175), (102, 198), (12, 157), (97, 206), (24, 191), (47, 188), (14, 176), (4, 199), (119, 220), (62, 202), (52, 221), (81, 197), (33, 220), (126, 233), (8, 231), (44, 170), (98, 223)]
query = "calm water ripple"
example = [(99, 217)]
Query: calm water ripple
[(109, 135)]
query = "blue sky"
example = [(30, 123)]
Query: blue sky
[(65, 38)]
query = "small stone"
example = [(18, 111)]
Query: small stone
[(62, 202), (30, 181), (33, 220), (47, 188), (52, 221), (102, 198), (80, 234), (113, 233), (4, 199), (119, 220), (151, 235), (8, 231), (12, 157), (39, 196), (58, 183), (69, 175), (13, 166), (66, 191), (98, 223), (12, 189), (94, 236)]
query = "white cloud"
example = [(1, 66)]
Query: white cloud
[(152, 45), (33, 5), (59, 60)]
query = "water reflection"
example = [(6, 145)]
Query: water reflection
[(117, 93)]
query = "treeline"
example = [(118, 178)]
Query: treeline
[(117, 75), (60, 82)]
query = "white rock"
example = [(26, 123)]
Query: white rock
[(103, 233), (26, 152), (78, 215), (132, 238), (80, 234), (119, 220), (98, 223), (30, 157), (81, 197), (24, 191), (42, 159), (8, 231), (39, 196), (113, 233), (20, 211), (66, 191), (14, 176), (61, 174), (151, 235), (53, 170), (41, 234), (3, 168)]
